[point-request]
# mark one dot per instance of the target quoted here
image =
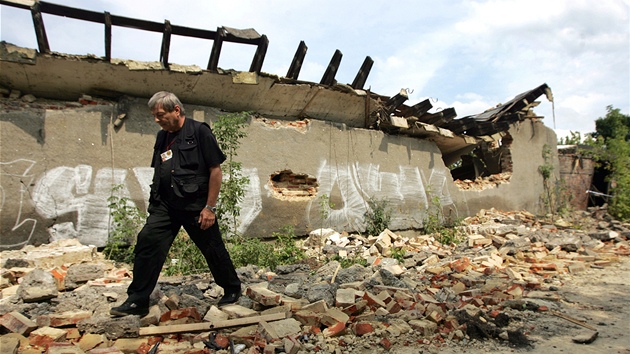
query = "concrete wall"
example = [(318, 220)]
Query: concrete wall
[(59, 163)]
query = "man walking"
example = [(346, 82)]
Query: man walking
[(184, 193)]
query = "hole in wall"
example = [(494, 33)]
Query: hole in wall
[(287, 185), (488, 165)]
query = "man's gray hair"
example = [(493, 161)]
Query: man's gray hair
[(166, 100)]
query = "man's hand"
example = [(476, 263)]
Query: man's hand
[(206, 219)]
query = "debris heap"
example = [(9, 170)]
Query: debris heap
[(380, 293)]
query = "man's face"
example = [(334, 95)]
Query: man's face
[(169, 121)]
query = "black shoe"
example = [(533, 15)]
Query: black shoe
[(129, 308), (229, 298)]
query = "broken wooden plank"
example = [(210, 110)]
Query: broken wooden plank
[(571, 319), (205, 326)]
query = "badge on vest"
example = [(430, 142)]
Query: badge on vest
[(167, 155)]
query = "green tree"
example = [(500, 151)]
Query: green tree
[(612, 150), (612, 125), (229, 130)]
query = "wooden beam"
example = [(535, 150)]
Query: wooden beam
[(108, 36), (296, 63), (206, 326), (259, 57), (213, 63), (166, 44), (331, 71), (361, 78), (395, 101), (40, 30)]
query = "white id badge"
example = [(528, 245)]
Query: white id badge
[(167, 155)]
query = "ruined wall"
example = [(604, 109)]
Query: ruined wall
[(59, 162)]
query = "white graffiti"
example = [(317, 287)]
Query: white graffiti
[(72, 193), (66, 190), (404, 193), (251, 205), (76, 198), (14, 174)]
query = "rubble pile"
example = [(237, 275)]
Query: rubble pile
[(413, 292)]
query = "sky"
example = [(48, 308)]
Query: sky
[(470, 55)]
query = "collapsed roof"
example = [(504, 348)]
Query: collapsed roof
[(327, 100)]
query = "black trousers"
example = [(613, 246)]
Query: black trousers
[(155, 240)]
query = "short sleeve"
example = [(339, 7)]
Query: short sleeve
[(210, 149)]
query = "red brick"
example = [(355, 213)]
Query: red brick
[(18, 323), (361, 328), (189, 312), (385, 343), (461, 264), (334, 330)]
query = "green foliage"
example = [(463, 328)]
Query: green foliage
[(611, 149), (615, 131), (445, 231), (286, 248), (127, 220), (614, 125), (229, 130), (555, 198), (184, 258), (325, 205), (347, 262), (244, 251), (377, 217), (283, 250), (575, 138), (433, 220), (398, 253)]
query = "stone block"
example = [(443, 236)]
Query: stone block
[(64, 319), (38, 285), (308, 318), (64, 348), (44, 336), (18, 323), (424, 327), (263, 296), (90, 341), (291, 345), (345, 297), (333, 316), (318, 307), (238, 311), (373, 301)]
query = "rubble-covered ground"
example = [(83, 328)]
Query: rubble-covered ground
[(516, 283)]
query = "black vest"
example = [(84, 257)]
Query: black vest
[(189, 174)]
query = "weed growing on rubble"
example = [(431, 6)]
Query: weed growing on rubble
[(126, 222), (556, 198), (347, 262), (446, 232), (377, 217), (283, 250), (184, 258), (229, 130)]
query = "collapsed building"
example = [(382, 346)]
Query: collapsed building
[(72, 127)]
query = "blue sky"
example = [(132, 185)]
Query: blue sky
[(470, 55)]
